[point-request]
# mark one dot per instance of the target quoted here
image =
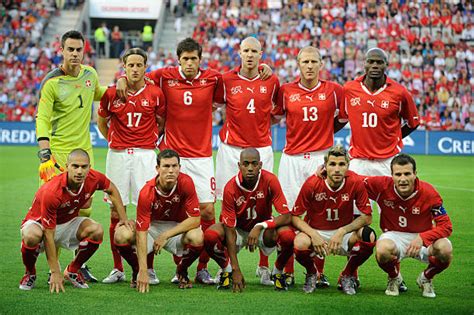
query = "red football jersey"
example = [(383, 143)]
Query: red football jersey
[(327, 209), (188, 126), (309, 115), (55, 204), (375, 118), (249, 103), (133, 124), (181, 203), (244, 208), (412, 215)]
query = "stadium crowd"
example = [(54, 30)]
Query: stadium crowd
[(430, 46)]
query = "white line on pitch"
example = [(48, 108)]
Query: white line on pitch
[(454, 188)]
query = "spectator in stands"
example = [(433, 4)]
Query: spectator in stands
[(116, 38)]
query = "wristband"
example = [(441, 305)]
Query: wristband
[(44, 154)]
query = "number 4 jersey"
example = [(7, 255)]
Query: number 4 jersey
[(188, 126), (375, 118), (309, 114), (133, 123)]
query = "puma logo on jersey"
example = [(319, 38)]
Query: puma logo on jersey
[(371, 102), (139, 223), (309, 97), (48, 221), (333, 199), (167, 212), (403, 209), (250, 89), (132, 102)]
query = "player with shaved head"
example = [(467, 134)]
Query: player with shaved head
[(248, 104), (246, 218), (54, 220)]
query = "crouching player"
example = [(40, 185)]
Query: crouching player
[(408, 207), (167, 218), (246, 218), (329, 226), (54, 217)]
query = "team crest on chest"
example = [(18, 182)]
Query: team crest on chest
[(355, 101), (345, 197), (240, 201), (117, 103), (173, 82), (156, 205), (415, 210), (263, 89), (236, 89), (260, 195), (145, 103), (88, 83), (385, 104), (321, 96), (175, 198), (320, 196), (389, 203), (295, 97)]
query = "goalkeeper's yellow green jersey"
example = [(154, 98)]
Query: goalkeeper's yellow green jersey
[(65, 109)]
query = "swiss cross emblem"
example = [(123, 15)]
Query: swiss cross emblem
[(145, 103), (130, 151), (345, 197), (263, 89), (88, 83), (307, 156), (385, 104), (175, 198), (321, 96), (415, 210), (260, 195), (203, 81), (355, 101)]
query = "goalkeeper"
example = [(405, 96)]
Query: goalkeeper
[(65, 109)]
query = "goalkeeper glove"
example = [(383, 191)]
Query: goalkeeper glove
[(48, 163)]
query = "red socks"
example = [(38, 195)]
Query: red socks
[(29, 256), (204, 257), (305, 259), (285, 250), (115, 253), (435, 266), (87, 248)]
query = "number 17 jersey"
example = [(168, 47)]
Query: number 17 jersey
[(188, 126)]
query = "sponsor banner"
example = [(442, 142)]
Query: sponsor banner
[(418, 142), (119, 9)]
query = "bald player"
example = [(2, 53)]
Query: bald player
[(248, 105)]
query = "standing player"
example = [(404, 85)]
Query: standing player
[(190, 94), (375, 106), (246, 218), (329, 226), (408, 208), (311, 108), (65, 110), (249, 102), (53, 218), (167, 218), (131, 129)]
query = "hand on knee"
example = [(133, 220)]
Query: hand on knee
[(123, 236)]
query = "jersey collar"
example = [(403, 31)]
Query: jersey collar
[(239, 180), (340, 187), (180, 70), (388, 82), (301, 86), (160, 193), (237, 72), (65, 186)]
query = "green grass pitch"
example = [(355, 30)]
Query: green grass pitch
[(452, 176)]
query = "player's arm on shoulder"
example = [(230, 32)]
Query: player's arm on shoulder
[(265, 71)]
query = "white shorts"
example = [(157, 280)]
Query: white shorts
[(295, 169), (226, 164), (402, 240), (65, 235), (327, 234), (129, 170), (371, 167), (241, 241), (201, 171), (174, 244)]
